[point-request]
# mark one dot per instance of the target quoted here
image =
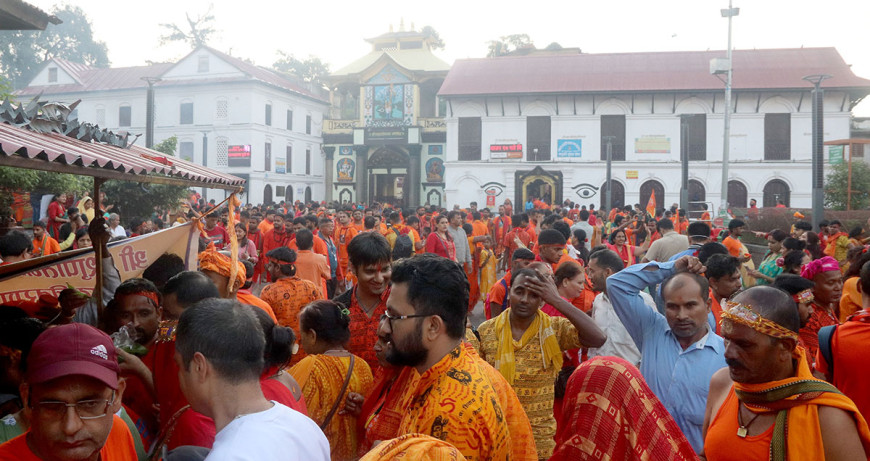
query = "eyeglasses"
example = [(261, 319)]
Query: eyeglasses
[(85, 409), (386, 316)]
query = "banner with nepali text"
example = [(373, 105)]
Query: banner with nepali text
[(78, 268)]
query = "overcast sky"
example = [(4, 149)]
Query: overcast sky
[(335, 30)]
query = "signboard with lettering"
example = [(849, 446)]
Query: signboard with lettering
[(386, 135), (280, 166), (499, 151), (239, 155), (569, 148), (630, 174), (835, 155), (652, 144)]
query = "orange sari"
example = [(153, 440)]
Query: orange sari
[(321, 378)]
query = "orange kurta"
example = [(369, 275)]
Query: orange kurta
[(287, 297), (321, 378), (246, 297)]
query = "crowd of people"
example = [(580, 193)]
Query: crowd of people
[(344, 332)]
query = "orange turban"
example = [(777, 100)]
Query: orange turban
[(212, 260), (798, 215), (414, 446)]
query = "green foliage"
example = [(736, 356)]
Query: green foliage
[(195, 33), (507, 44), (38, 183), (311, 70), (22, 52), (435, 41), (133, 199), (836, 186)]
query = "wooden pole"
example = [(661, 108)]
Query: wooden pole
[(98, 254), (849, 182)]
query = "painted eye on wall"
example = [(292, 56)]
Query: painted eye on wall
[(585, 190), (493, 188)]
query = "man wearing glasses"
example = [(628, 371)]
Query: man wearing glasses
[(72, 393), (451, 397)]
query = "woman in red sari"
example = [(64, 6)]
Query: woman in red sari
[(440, 242), (610, 409), (630, 254)]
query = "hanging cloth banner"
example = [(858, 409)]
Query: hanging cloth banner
[(78, 269)]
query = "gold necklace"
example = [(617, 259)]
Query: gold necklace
[(743, 430)]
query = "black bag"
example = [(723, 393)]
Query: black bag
[(404, 247)]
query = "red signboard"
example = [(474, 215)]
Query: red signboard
[(506, 150), (239, 155)]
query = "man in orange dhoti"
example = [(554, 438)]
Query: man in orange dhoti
[(781, 411)]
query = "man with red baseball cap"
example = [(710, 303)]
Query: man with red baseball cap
[(72, 392)]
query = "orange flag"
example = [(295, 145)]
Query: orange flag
[(651, 205)]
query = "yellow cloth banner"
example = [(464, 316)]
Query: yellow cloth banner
[(78, 268)]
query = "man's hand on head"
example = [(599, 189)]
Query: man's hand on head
[(689, 264)]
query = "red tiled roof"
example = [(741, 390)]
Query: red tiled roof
[(56, 152), (636, 72)]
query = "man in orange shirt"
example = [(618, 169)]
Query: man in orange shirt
[(344, 233), (43, 244), (358, 220), (310, 265), (278, 236), (72, 392), (519, 236), (735, 228), (269, 222), (478, 227), (413, 226)]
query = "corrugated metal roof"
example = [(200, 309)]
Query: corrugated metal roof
[(660, 71), (56, 152)]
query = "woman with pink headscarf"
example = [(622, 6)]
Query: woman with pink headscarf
[(825, 272)]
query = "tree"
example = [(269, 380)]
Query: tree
[(134, 199), (836, 185), (435, 41), (555, 46), (23, 52), (195, 33), (38, 183), (507, 44), (311, 70)]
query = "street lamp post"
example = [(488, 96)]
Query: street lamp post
[(726, 143), (149, 111), (818, 146), (608, 189)]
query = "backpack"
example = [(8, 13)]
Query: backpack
[(404, 247), (826, 338)]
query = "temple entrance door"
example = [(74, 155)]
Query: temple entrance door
[(538, 184), (387, 173)]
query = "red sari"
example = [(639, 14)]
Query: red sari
[(441, 247), (626, 254)]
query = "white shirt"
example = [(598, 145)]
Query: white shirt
[(586, 228), (118, 231), (619, 342), (277, 433)]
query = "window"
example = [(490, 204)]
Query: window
[(469, 138), (307, 124), (289, 120), (289, 159), (268, 155), (694, 131), (202, 64), (124, 115), (307, 161), (777, 136), (52, 75), (221, 152), (279, 190), (613, 125), (185, 150), (186, 113), (538, 138), (268, 115), (221, 109)]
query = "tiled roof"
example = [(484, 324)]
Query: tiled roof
[(421, 60), (639, 72), (117, 78)]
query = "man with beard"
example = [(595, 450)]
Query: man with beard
[(602, 264), (369, 261), (358, 220), (825, 273), (526, 346), (723, 275), (276, 237), (450, 397), (767, 404), (679, 351)]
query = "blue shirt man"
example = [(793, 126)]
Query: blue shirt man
[(679, 352)]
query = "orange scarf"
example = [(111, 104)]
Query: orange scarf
[(797, 432)]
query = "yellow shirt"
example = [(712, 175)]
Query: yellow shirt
[(534, 380)]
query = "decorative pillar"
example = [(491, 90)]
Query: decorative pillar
[(329, 154), (413, 178), (362, 173)]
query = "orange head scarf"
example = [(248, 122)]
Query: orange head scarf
[(212, 260), (414, 446)]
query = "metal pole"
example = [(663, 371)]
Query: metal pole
[(608, 191), (818, 146), (849, 181), (726, 142), (684, 162), (149, 111)]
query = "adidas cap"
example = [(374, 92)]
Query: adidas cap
[(74, 349)]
